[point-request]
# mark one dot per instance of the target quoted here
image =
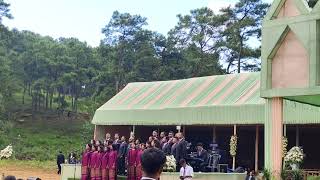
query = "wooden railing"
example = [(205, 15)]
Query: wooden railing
[(310, 172)]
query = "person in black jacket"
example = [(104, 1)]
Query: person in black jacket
[(122, 154), (181, 152), (202, 156), (181, 147), (60, 160)]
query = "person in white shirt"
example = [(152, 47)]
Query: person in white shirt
[(186, 171)]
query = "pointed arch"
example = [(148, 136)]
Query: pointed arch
[(290, 63)]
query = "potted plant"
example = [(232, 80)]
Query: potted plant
[(294, 157)]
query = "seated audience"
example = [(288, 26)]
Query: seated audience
[(10, 178), (202, 156)]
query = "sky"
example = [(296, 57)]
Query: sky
[(84, 19)]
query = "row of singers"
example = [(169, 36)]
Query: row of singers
[(100, 162)]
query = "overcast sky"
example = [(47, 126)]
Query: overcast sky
[(84, 19)]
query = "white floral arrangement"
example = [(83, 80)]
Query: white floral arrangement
[(284, 146), (6, 152), (294, 156), (170, 165), (233, 145)]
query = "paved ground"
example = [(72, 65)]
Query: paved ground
[(25, 172)]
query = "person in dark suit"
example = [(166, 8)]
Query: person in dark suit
[(166, 147), (117, 140), (122, 154), (202, 156), (173, 151), (251, 176), (181, 147), (181, 152), (60, 160)]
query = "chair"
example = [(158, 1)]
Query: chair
[(213, 162)]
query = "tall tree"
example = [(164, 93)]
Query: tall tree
[(4, 11), (119, 33), (196, 35), (243, 23)]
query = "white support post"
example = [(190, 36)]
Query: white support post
[(234, 158), (256, 150)]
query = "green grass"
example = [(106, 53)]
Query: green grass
[(41, 140), (42, 136)]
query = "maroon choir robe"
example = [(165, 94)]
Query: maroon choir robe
[(112, 165), (95, 165), (98, 166), (138, 165), (131, 161), (104, 166), (93, 159), (85, 163)]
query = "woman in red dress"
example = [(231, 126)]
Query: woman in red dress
[(138, 161), (131, 162), (92, 164), (85, 163), (104, 164), (112, 162), (98, 163)]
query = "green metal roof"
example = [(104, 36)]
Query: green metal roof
[(224, 99)]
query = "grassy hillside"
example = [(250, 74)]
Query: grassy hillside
[(42, 135)]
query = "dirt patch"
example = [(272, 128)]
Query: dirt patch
[(25, 172)]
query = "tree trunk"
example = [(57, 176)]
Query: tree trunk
[(24, 92), (47, 99), (51, 98), (240, 54)]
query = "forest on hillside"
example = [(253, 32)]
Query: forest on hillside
[(58, 73)]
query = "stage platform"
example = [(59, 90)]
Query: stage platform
[(73, 171)]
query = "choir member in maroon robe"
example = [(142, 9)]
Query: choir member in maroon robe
[(104, 164), (140, 150), (112, 161), (92, 164), (85, 163), (131, 162), (99, 163)]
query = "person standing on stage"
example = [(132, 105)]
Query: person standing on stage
[(131, 162), (93, 161), (140, 151), (155, 134), (104, 163), (117, 140), (181, 147), (181, 152), (123, 151), (112, 162), (99, 163), (174, 147), (86, 155), (108, 139), (166, 148)]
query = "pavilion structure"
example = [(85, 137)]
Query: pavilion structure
[(290, 67), (285, 93)]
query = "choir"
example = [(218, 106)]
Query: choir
[(104, 161)]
